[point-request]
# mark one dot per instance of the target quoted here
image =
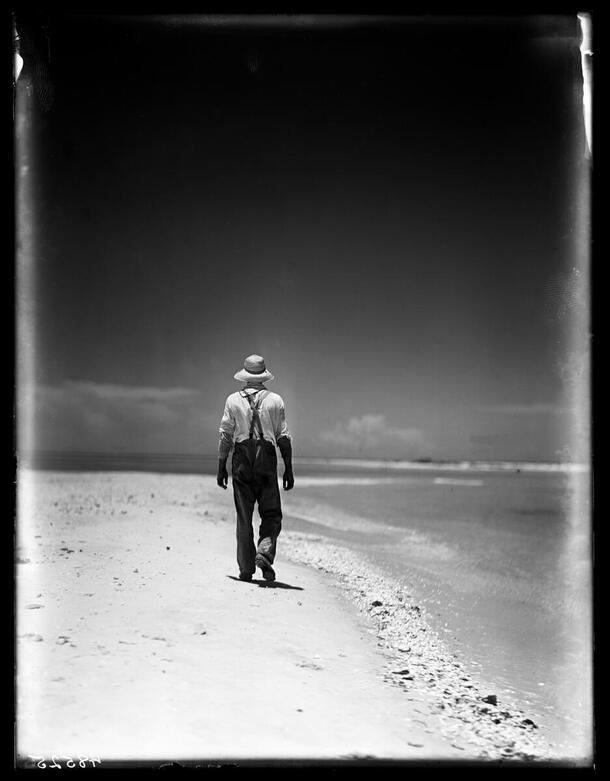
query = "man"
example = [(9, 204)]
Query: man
[(253, 423)]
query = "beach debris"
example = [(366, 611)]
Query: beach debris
[(490, 698), (376, 603), (403, 672), (309, 665), (62, 640), (167, 547), (357, 756), (22, 561), (33, 637), (529, 723), (34, 606)]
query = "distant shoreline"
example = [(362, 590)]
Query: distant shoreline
[(487, 466), (194, 463)]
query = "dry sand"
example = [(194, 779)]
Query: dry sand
[(135, 639)]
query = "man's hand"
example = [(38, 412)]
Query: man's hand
[(285, 446), (288, 479), (222, 478)]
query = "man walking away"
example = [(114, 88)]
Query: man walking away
[(253, 423)]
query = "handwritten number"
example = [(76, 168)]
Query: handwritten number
[(82, 761)]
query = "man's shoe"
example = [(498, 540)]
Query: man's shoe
[(245, 576), (268, 571)]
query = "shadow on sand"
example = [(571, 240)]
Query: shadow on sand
[(266, 583)]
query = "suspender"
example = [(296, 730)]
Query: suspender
[(255, 406)]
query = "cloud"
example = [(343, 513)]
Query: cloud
[(102, 416), (369, 432), (540, 408), (130, 393)]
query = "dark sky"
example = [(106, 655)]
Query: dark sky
[(392, 214)]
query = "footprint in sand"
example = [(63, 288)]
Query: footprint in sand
[(309, 665)]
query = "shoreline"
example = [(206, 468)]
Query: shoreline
[(407, 670), (500, 568), (198, 464), (417, 661)]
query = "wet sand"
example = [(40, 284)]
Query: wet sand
[(135, 639)]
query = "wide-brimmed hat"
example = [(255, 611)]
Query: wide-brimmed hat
[(254, 370)]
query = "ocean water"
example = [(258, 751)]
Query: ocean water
[(500, 560)]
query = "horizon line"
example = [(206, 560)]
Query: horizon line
[(422, 460)]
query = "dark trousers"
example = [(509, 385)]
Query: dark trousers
[(255, 480)]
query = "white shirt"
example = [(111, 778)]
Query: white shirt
[(237, 417)]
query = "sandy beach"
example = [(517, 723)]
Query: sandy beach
[(135, 639)]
